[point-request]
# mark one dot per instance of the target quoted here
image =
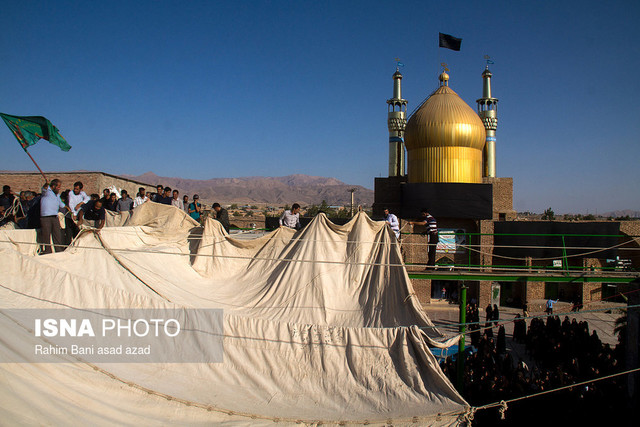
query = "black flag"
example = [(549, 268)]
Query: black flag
[(449, 42)]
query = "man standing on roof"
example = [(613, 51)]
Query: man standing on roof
[(159, 191), (222, 215), (7, 197), (393, 222), (166, 197), (50, 205), (291, 218), (140, 198), (77, 198), (106, 194), (185, 203), (432, 235), (176, 201), (125, 204), (195, 208)]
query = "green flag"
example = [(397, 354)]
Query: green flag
[(29, 130)]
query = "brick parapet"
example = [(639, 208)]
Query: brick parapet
[(93, 182)]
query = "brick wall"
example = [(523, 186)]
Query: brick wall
[(502, 198), (422, 288), (630, 231), (534, 290), (93, 182)]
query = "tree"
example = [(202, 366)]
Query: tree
[(621, 328), (234, 206), (549, 215), (343, 213), (311, 211)]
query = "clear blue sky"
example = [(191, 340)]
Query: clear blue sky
[(227, 89)]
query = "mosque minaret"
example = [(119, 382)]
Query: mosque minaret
[(488, 112), (396, 122)]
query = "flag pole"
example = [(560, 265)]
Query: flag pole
[(34, 162)]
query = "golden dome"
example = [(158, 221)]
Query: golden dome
[(444, 139)]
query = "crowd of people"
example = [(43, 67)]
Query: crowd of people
[(30, 209), (557, 353)]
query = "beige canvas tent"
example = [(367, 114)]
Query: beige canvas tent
[(320, 326)]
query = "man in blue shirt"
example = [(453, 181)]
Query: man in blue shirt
[(195, 208), (50, 205)]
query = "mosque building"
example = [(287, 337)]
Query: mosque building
[(450, 168)]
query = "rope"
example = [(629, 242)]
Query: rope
[(123, 230), (211, 408), (106, 248), (542, 316), (13, 209), (484, 270), (503, 403), (469, 247)]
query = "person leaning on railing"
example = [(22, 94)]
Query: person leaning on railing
[(430, 223)]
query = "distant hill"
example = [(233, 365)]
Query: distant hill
[(303, 189)]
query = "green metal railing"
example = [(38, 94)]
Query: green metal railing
[(468, 247), (536, 271)]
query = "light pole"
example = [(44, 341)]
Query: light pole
[(352, 190)]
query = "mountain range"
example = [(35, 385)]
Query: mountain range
[(302, 189)]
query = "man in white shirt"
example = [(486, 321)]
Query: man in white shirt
[(393, 222), (140, 198), (175, 201), (291, 218), (77, 198)]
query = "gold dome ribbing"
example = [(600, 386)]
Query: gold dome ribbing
[(445, 139)]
